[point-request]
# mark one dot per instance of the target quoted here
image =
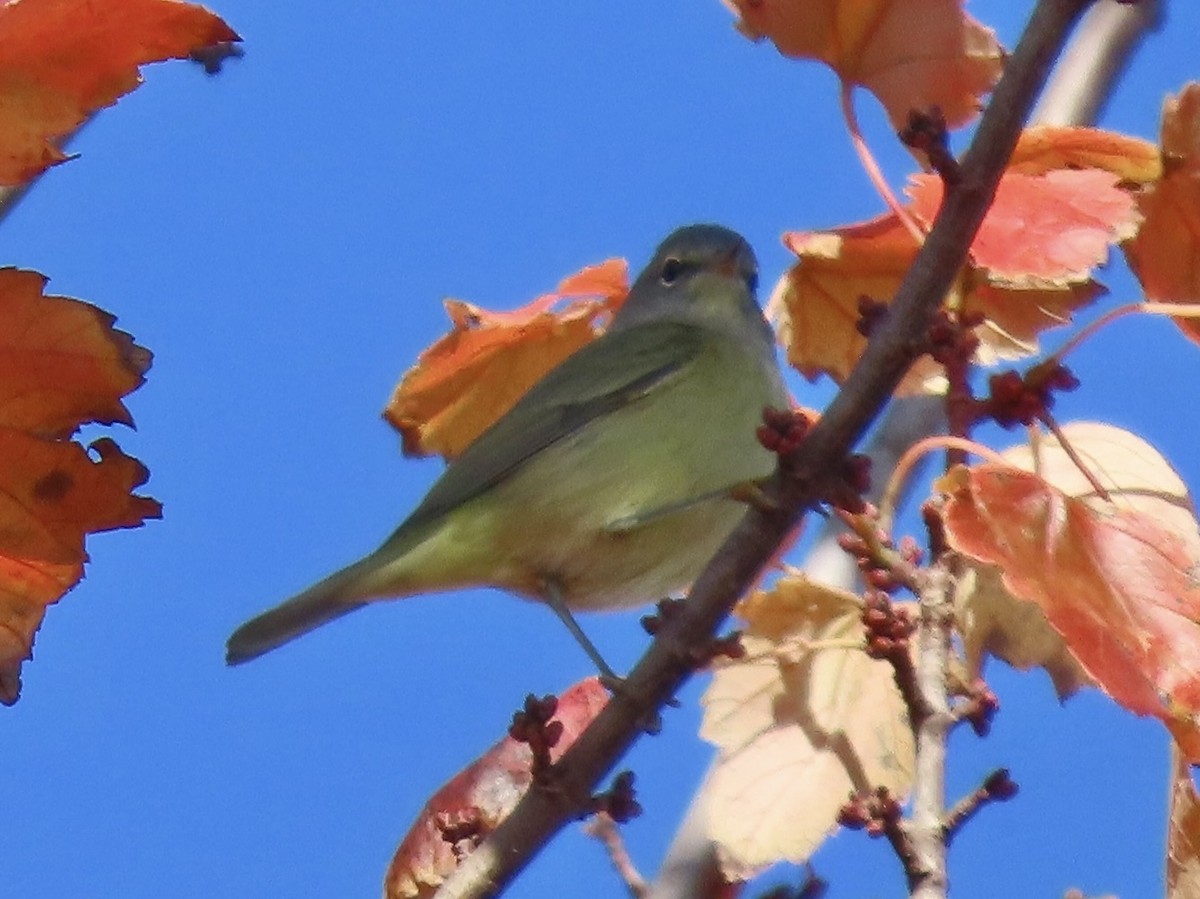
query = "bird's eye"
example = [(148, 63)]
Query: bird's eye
[(671, 270)]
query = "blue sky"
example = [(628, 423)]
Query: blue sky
[(281, 237)]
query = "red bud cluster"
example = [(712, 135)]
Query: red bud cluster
[(888, 628), (783, 430), (1015, 399), (619, 802), (535, 725), (873, 812)]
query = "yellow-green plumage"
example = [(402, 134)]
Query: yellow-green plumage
[(607, 484)]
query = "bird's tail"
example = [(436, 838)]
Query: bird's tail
[(337, 595)]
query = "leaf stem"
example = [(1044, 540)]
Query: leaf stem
[(871, 166), (912, 457)]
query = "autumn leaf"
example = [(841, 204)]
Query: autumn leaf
[(479, 797), (1114, 579), (1183, 834), (991, 619), (1045, 231), (911, 54), (1165, 254), (815, 306), (1014, 318), (1044, 148), (1064, 200), (62, 364), (61, 60), (801, 721), (61, 361), (993, 622), (468, 379)]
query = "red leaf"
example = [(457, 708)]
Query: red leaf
[(1118, 584), (480, 797), (1046, 230)]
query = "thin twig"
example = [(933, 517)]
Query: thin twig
[(996, 787), (1065, 444), (867, 159), (604, 829)]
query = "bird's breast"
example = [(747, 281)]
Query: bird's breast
[(629, 508)]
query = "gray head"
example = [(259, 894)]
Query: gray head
[(698, 272)]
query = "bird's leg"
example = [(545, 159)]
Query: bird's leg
[(554, 599)]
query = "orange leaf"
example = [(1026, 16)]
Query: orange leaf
[(52, 494), (468, 379), (26, 589), (803, 719), (815, 305), (1015, 316), (1116, 582), (62, 364), (60, 60), (1043, 148), (1042, 231), (61, 361), (912, 54), (1165, 255), (479, 797)]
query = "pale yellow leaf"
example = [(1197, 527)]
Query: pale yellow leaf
[(802, 721)]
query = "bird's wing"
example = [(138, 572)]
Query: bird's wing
[(607, 374)]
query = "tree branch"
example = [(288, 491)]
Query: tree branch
[(666, 665), (925, 829), (1083, 79)]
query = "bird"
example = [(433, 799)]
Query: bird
[(611, 482)]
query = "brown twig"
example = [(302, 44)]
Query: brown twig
[(926, 131), (996, 787), (883, 565), (666, 666), (978, 708), (879, 814)]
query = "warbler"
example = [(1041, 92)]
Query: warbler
[(612, 482)]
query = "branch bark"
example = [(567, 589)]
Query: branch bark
[(665, 667), (925, 828)]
